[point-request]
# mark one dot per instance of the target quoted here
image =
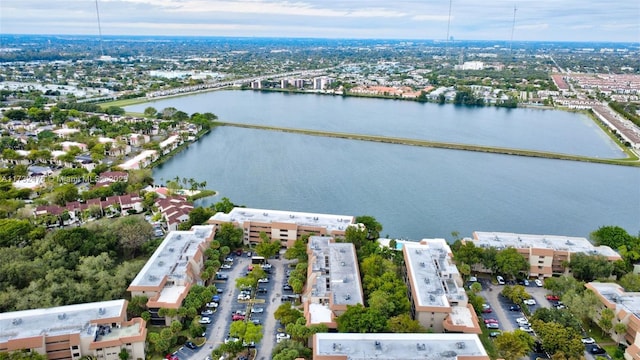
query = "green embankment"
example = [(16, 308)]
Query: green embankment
[(632, 160)]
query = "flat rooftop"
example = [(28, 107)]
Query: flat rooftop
[(629, 301), (171, 258), (398, 346), (433, 272), (337, 271), (555, 242), (61, 320), (330, 222)]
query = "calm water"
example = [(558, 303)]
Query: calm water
[(518, 128), (414, 192)]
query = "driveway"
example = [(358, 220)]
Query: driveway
[(273, 302), (492, 294), (221, 320)]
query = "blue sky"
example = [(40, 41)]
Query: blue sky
[(547, 20)]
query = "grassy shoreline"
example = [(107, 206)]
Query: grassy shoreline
[(629, 161)]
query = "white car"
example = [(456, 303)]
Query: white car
[(205, 320), (225, 266), (281, 337), (529, 302), (263, 280), (207, 312), (522, 320), (266, 266), (500, 280), (538, 282), (257, 310), (526, 329), (212, 305), (244, 297), (588, 341), (230, 339), (229, 259)]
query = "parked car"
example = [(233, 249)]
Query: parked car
[(220, 276), (495, 333), (490, 321), (237, 317), (171, 357), (500, 280), (526, 328), (212, 305), (215, 298), (244, 297), (473, 279), (255, 321), (219, 290), (257, 310), (487, 310), (240, 312), (190, 345), (529, 302), (525, 282), (595, 349), (229, 259), (266, 266), (287, 287), (263, 280), (514, 308), (538, 282), (282, 336), (230, 339), (207, 312), (225, 266), (493, 326), (553, 297), (588, 341), (205, 320), (262, 290)]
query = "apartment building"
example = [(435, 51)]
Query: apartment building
[(100, 330), (436, 289), (546, 253), (285, 226), (626, 306), (172, 269), (333, 280), (352, 346)]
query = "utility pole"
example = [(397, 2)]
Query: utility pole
[(99, 29), (448, 27)]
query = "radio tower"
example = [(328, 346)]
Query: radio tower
[(448, 27), (513, 27), (99, 29)]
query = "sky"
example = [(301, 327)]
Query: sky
[(535, 20)]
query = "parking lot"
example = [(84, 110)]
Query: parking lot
[(265, 301), (503, 311)]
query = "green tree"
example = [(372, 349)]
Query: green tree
[(297, 251), (612, 236), (556, 338), (22, 355), (14, 232), (65, 193), (358, 319), (516, 293), (290, 350), (371, 224), (229, 235), (582, 306), (150, 112), (287, 314), (124, 354), (620, 329), (630, 282), (403, 323), (513, 345), (561, 317), (510, 262), (588, 268), (224, 205), (562, 284), (605, 321), (133, 232), (267, 248)]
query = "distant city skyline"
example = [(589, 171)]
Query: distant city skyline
[(540, 20)]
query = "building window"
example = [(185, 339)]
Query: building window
[(74, 347), (76, 354)]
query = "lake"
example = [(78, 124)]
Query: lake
[(414, 192)]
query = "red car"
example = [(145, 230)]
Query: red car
[(490, 321), (553, 297), (237, 317), (171, 357), (487, 310)]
